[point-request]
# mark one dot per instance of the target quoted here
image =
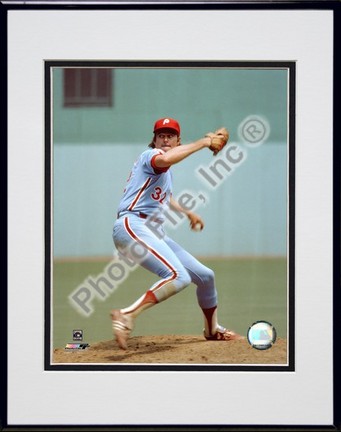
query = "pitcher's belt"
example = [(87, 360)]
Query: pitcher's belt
[(142, 216)]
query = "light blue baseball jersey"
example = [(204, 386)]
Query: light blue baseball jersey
[(148, 188)]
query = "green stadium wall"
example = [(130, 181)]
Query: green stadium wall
[(94, 149)]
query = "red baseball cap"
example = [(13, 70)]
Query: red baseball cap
[(167, 123)]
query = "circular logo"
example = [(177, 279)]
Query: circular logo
[(254, 130), (261, 335)]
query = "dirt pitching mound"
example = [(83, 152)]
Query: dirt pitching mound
[(175, 349)]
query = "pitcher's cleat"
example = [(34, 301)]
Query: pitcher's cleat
[(122, 326), (223, 334)]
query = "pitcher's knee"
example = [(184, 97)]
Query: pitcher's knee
[(183, 279), (207, 276)]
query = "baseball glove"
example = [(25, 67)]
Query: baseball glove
[(219, 139)]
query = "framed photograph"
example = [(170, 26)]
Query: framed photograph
[(258, 238), (175, 198)]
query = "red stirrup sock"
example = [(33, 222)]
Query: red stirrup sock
[(211, 320), (144, 302)]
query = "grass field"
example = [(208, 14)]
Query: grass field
[(249, 289)]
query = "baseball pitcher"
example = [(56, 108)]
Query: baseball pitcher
[(147, 194)]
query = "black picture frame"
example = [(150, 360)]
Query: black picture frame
[(5, 7)]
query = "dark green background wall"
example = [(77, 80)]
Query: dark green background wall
[(201, 99)]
